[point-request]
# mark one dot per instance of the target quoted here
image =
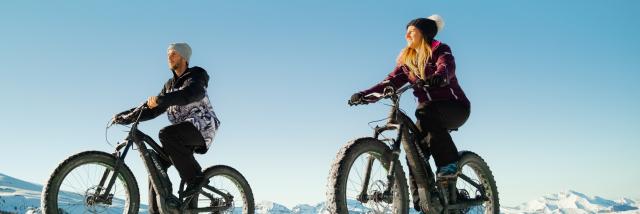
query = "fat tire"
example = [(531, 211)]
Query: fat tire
[(484, 172), (338, 176), (242, 183), (49, 195)]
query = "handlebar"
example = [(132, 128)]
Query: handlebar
[(134, 127), (137, 110), (389, 92), (140, 108)]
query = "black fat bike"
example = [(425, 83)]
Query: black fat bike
[(367, 176), (99, 182)]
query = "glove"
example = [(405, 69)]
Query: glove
[(117, 119), (419, 83), (121, 118), (356, 98), (435, 81)]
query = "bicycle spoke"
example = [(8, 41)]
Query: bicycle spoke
[(471, 191), (227, 186), (81, 184), (377, 183)]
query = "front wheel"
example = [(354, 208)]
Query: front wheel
[(480, 184), (361, 159), (228, 190), (74, 186)]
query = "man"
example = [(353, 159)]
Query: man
[(193, 121)]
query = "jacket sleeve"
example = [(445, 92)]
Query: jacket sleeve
[(158, 110), (193, 89), (147, 114), (397, 78), (445, 64)]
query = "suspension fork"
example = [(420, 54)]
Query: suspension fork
[(116, 168), (395, 153), (363, 197), (386, 194)]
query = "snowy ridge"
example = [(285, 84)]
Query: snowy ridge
[(17, 196), (268, 207), (271, 207), (574, 202)]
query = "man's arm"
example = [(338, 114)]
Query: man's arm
[(194, 89), (129, 116), (151, 113)]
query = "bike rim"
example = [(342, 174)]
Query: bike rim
[(468, 191), (228, 185), (77, 188), (377, 183)]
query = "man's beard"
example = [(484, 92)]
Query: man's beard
[(174, 66)]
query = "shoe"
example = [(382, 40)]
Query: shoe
[(173, 202), (193, 187), (448, 170), (416, 205)]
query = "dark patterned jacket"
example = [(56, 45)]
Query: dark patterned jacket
[(185, 99)]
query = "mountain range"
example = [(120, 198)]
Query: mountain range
[(18, 196)]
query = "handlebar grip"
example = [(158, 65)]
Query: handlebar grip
[(361, 102)]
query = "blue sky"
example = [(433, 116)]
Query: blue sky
[(553, 85)]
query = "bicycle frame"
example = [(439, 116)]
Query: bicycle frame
[(140, 140), (409, 137)]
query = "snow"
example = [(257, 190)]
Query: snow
[(17, 196), (268, 207), (574, 202)]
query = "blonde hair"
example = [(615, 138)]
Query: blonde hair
[(416, 58)]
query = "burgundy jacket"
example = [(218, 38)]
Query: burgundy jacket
[(441, 63)]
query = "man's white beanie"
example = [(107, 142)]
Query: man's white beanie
[(182, 48)]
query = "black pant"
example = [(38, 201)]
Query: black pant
[(435, 119), (179, 141)]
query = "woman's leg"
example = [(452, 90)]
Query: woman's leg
[(435, 120)]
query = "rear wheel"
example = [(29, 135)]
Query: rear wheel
[(230, 182), (73, 185), (475, 168), (348, 175)]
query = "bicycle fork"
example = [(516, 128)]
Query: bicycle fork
[(106, 197), (386, 195)]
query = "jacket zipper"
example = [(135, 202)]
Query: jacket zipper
[(453, 93)]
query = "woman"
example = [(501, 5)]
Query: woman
[(443, 105)]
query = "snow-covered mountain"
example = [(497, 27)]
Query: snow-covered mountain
[(271, 207), (566, 202), (574, 202), (17, 196), (268, 207)]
